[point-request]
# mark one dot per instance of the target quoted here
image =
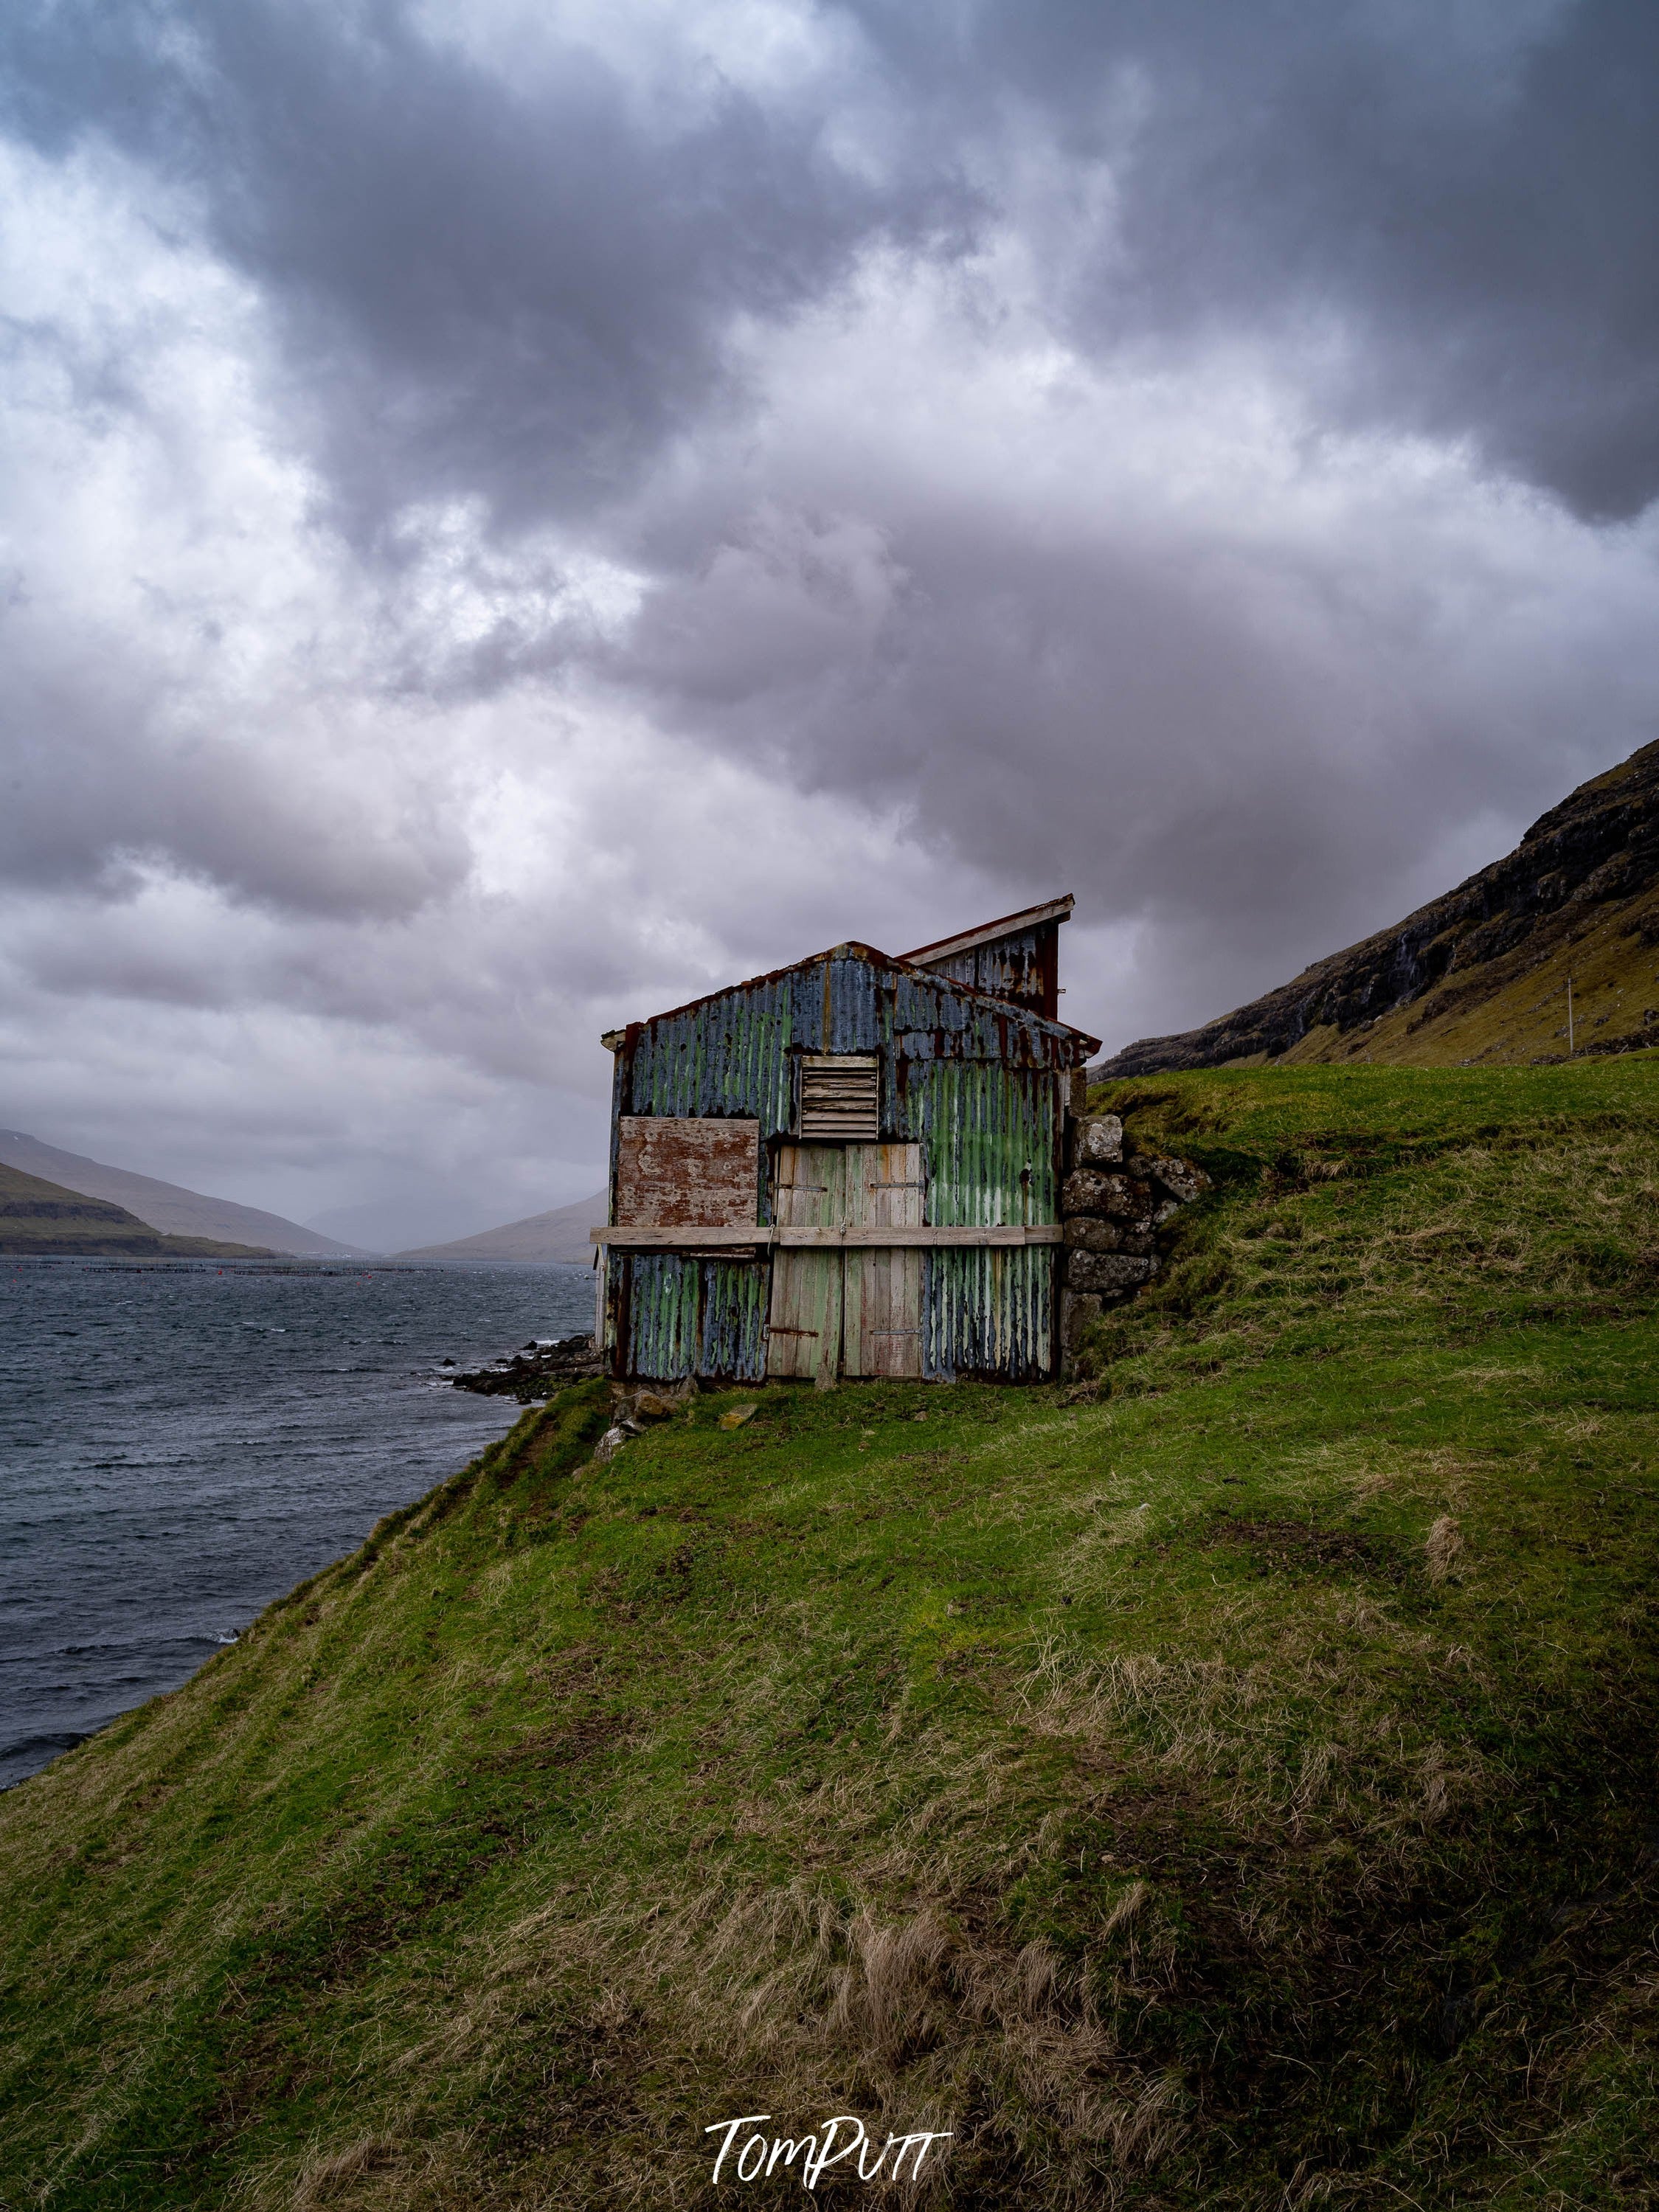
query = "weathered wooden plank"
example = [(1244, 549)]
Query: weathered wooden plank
[(687, 1172), (886, 1191), (840, 1098), (653, 1237), (804, 1331)]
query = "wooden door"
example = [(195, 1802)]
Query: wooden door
[(804, 1333), (881, 1330)]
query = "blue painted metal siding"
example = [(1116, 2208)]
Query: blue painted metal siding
[(1017, 967), (989, 1312), (732, 1054), (693, 1317)]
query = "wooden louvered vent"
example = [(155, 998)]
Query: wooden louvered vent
[(839, 1100)]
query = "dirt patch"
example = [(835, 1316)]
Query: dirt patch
[(1296, 1547), (582, 1738)]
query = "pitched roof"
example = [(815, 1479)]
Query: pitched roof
[(1010, 925), (854, 950)]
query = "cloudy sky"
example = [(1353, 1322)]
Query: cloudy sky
[(515, 513)]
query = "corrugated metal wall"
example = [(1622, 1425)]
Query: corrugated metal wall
[(993, 1137), (1021, 967), (978, 1085), (693, 1317), (732, 1053), (989, 1312)]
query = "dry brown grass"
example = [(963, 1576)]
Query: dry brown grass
[(1440, 1547)]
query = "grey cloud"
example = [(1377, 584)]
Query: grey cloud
[(520, 290), (530, 292), (100, 783), (516, 291), (1248, 751), (1457, 210), (1090, 713)]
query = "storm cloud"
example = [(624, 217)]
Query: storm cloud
[(514, 515)]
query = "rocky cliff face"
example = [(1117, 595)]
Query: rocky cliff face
[(1479, 974)]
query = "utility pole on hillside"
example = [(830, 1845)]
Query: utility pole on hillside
[(1569, 1017)]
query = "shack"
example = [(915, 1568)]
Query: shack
[(849, 1167)]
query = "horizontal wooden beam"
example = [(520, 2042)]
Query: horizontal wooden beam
[(664, 1240), (819, 1240)]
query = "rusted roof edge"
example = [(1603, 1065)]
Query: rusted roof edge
[(854, 950), (1030, 917)]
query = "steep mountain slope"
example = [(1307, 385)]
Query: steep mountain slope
[(44, 1219), (1481, 975), (1233, 1792), (561, 1234), (165, 1205)]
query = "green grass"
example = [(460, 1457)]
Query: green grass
[(1227, 1784)]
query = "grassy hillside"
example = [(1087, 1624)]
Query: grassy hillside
[(41, 1220), (167, 1208), (1233, 1789)]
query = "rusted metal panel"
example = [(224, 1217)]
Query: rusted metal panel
[(685, 1173), (1024, 968), (1016, 957), (881, 1328), (803, 1332)]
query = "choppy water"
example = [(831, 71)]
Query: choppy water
[(180, 1443)]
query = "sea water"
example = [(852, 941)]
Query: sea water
[(180, 1443)]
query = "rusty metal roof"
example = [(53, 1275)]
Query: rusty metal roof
[(853, 949), (1008, 924)]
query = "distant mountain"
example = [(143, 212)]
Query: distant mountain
[(430, 1213), (560, 1235), (1481, 975), (164, 1206), (45, 1219)]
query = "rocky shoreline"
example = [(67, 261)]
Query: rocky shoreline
[(535, 1372)]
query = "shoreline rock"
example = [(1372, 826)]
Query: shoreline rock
[(535, 1373)]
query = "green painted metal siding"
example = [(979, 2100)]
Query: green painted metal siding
[(989, 1312), (992, 1135), (692, 1317)]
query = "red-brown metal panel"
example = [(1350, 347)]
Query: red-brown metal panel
[(686, 1173)]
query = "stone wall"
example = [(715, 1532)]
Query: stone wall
[(1115, 1209)]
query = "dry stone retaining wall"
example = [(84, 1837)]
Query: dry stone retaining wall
[(1113, 1209)]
